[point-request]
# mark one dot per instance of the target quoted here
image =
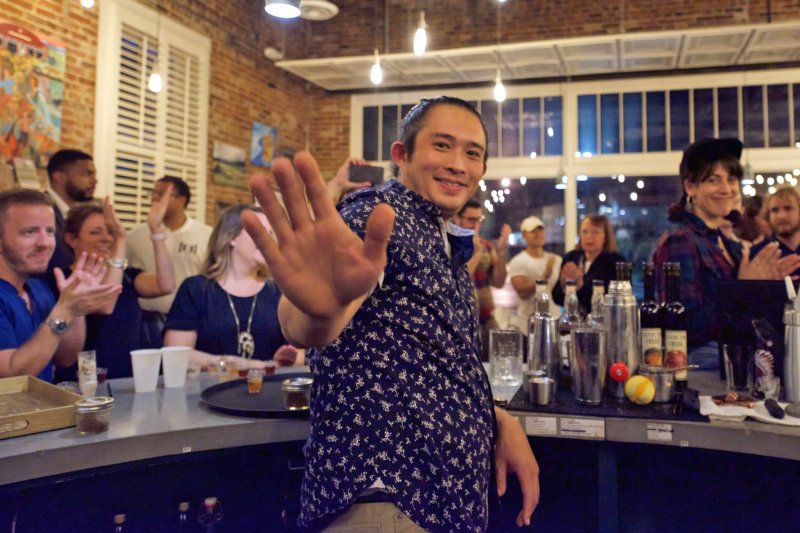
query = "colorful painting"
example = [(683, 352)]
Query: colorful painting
[(228, 167), (263, 145), (31, 92)]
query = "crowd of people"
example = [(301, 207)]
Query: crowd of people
[(388, 291)]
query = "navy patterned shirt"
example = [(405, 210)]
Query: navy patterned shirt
[(401, 396)]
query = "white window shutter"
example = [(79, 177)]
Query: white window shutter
[(141, 136)]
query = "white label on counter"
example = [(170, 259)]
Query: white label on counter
[(583, 427), (660, 432), (541, 425)]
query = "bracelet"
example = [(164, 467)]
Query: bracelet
[(158, 237), (117, 263)]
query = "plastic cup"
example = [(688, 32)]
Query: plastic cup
[(145, 365), (176, 363)]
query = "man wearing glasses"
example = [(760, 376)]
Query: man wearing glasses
[(187, 243), (487, 267)]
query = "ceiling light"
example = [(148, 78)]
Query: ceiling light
[(421, 36), (88, 4), (499, 88), (285, 9), (376, 73)]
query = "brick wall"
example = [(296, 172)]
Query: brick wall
[(246, 87)]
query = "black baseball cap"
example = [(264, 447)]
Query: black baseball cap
[(707, 151)]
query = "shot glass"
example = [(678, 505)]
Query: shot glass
[(269, 368), (255, 379)]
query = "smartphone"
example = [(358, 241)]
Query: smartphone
[(370, 173)]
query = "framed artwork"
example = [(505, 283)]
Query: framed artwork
[(263, 145), (228, 166), (32, 69)]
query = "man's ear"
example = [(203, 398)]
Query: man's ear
[(58, 177), (399, 154)]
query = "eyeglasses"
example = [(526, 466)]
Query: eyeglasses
[(474, 220)]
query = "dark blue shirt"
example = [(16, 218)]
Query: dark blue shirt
[(401, 396), (17, 324), (201, 305)]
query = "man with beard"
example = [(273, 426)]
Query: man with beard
[(783, 215), (36, 330), (71, 180)]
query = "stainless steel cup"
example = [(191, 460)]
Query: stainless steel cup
[(663, 379), (588, 363), (543, 351), (543, 390)]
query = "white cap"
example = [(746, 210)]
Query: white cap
[(531, 223)]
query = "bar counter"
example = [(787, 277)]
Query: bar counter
[(169, 426)]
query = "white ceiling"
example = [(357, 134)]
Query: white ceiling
[(597, 55)]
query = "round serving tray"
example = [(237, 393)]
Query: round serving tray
[(231, 397)]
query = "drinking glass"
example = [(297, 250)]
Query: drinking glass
[(505, 357), (87, 373)]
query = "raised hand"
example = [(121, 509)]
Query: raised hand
[(341, 185), (320, 265), (502, 241), (158, 209)]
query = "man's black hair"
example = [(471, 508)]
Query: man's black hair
[(60, 160), (415, 120), (180, 187), (471, 204)]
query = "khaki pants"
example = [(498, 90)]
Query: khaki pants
[(373, 518)]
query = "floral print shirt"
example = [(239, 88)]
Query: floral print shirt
[(401, 396)]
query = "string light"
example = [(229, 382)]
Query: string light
[(155, 83)]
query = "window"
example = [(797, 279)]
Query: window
[(753, 106), (609, 123), (632, 113), (678, 119), (141, 136)]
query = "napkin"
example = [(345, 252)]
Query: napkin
[(738, 413)]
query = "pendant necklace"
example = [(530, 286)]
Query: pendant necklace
[(246, 343)]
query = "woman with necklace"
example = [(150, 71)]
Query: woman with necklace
[(231, 308), (710, 171)]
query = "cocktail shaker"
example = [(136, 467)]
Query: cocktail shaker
[(621, 322), (543, 352), (791, 357)]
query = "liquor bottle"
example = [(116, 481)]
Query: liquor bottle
[(569, 319), (650, 320), (119, 523), (595, 317), (674, 322), (183, 517), (541, 303)]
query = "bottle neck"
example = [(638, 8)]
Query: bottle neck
[(649, 288), (673, 286)]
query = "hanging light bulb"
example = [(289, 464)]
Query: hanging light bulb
[(154, 82), (499, 88), (376, 73), (421, 36), (88, 4)]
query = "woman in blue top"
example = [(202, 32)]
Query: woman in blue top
[(231, 308), (710, 172), (93, 229)]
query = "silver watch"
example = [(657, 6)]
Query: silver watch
[(57, 326), (117, 263)]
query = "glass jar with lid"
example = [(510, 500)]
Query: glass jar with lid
[(93, 415), (297, 393)]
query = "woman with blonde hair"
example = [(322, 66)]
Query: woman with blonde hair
[(231, 307)]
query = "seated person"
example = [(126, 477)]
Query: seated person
[(709, 173), (595, 257), (36, 330), (115, 332), (231, 308)]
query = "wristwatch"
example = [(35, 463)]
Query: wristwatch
[(57, 326), (117, 263)]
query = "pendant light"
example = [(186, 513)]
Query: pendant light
[(285, 9), (499, 88), (155, 83), (421, 36), (88, 4), (376, 72)]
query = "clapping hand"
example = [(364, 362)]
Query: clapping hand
[(83, 293), (158, 209), (768, 264), (320, 265), (572, 271)]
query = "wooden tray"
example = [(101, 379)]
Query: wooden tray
[(30, 405)]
